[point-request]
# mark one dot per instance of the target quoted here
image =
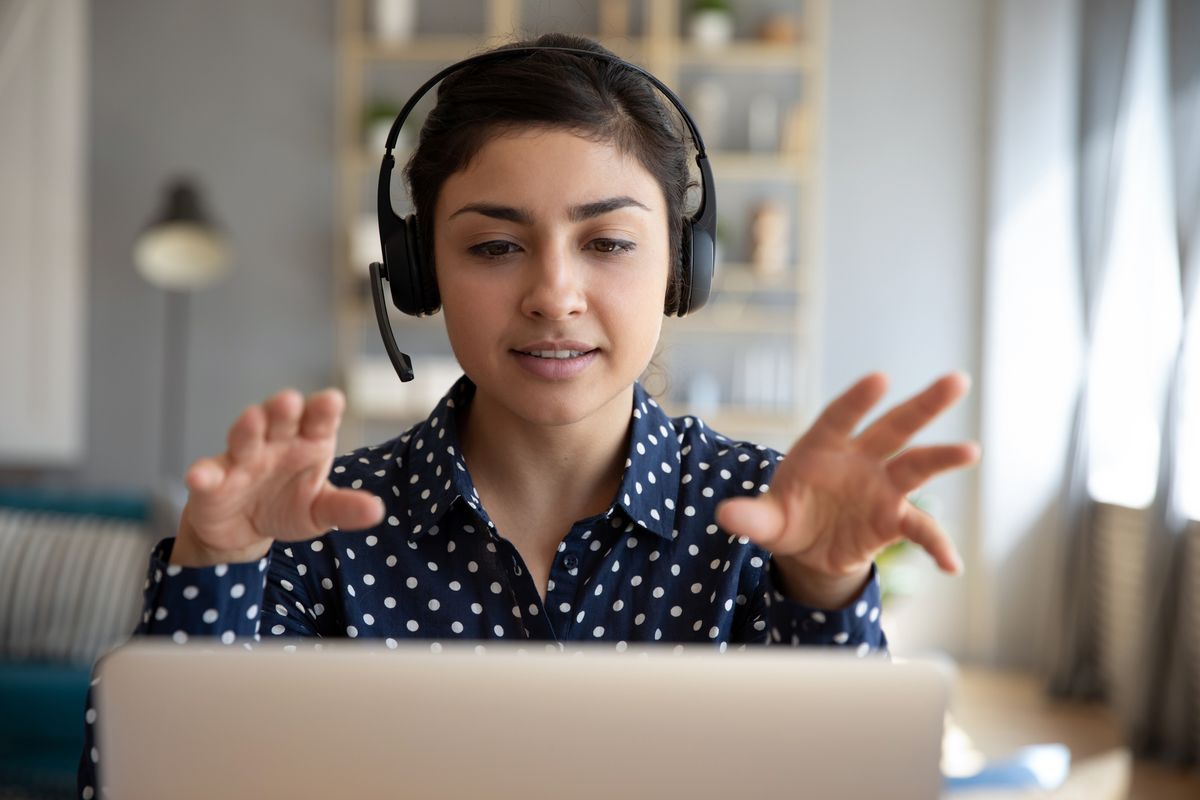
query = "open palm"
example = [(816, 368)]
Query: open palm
[(837, 499), (271, 483)]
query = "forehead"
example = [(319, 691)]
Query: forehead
[(548, 169)]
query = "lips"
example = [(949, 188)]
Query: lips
[(555, 360), (559, 354), (555, 348)]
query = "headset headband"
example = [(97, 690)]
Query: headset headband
[(704, 216)]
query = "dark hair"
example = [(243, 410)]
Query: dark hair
[(593, 97)]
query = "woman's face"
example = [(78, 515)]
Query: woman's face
[(551, 255)]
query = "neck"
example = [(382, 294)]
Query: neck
[(571, 470)]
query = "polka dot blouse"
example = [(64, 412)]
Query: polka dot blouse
[(654, 566)]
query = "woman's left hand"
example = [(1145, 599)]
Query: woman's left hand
[(838, 498)]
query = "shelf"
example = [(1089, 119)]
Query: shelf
[(749, 55), (734, 418), (447, 48), (740, 278), (739, 165), (424, 48), (719, 320)]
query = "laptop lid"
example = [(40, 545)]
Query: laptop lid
[(358, 720)]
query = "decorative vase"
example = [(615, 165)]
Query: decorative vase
[(394, 21), (711, 28)]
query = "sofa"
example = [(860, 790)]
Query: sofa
[(72, 567)]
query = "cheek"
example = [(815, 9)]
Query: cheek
[(463, 292), (468, 313)]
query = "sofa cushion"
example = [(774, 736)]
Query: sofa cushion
[(70, 585)]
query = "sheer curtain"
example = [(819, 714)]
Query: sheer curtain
[(43, 231), (1168, 714), (1105, 27), (1136, 435)]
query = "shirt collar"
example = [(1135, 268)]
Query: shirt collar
[(438, 475)]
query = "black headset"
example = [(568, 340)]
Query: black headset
[(411, 274)]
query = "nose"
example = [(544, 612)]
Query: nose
[(555, 285)]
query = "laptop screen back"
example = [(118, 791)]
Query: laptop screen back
[(359, 720)]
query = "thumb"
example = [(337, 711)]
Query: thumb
[(346, 509), (761, 518)]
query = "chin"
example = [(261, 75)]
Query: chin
[(558, 404)]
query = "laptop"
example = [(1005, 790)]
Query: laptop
[(356, 720)]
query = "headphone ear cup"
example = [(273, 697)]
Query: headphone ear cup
[(424, 282), (699, 265), (413, 288), (697, 255), (681, 303), (396, 258)]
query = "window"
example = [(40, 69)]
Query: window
[(1139, 317)]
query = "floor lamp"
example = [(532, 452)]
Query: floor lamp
[(180, 251)]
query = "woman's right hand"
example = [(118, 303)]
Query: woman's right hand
[(272, 483)]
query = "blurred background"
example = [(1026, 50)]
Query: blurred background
[(1005, 187)]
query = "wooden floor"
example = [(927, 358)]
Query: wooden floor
[(1001, 712)]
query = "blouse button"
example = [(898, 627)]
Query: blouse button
[(570, 561)]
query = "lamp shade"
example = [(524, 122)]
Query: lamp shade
[(182, 249)]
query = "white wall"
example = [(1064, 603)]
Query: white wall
[(905, 144), (240, 96), (1033, 329)]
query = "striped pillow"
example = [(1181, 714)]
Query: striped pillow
[(70, 585)]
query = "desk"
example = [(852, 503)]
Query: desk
[(1002, 711)]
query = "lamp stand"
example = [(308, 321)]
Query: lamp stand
[(174, 388)]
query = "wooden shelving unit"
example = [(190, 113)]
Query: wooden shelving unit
[(776, 312)]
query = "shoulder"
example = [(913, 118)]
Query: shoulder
[(728, 465), (744, 466)]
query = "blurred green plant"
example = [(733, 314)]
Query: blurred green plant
[(379, 111), (897, 574)]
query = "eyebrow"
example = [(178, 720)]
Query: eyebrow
[(577, 213), (600, 207)]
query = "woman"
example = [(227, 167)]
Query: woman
[(547, 497)]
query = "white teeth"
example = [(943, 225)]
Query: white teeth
[(556, 353)]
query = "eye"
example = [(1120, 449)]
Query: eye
[(494, 249), (611, 246)]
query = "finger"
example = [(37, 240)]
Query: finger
[(204, 475), (761, 519), (283, 415), (893, 430), (346, 509), (922, 530), (246, 434), (840, 417), (912, 468), (322, 414)]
